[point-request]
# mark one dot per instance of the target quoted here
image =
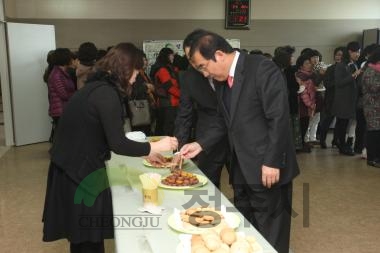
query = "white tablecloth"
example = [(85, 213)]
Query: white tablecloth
[(130, 233)]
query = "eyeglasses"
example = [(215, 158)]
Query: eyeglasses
[(203, 67)]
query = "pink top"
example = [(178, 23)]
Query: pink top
[(60, 88)]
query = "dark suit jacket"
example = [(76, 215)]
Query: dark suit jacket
[(258, 123), (197, 97), (345, 99)]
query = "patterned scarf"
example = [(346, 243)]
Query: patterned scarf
[(375, 66), (305, 75)]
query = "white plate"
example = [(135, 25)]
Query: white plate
[(181, 248), (234, 222)]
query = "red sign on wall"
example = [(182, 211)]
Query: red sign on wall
[(238, 14)]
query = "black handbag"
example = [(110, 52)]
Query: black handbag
[(140, 112)]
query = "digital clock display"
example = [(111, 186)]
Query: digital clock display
[(237, 14)]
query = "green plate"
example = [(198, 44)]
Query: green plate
[(148, 164)]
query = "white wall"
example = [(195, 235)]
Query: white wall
[(1, 10), (5, 88), (190, 9), (28, 45)]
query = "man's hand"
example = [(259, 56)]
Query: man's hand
[(270, 176), (190, 150), (155, 158)]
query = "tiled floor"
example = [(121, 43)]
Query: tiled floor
[(343, 214)]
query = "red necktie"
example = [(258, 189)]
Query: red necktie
[(230, 81)]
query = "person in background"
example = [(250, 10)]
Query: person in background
[(329, 83), (60, 86), (73, 68), (165, 78), (149, 83), (198, 103), (346, 93), (361, 125), (268, 55), (256, 51), (49, 68), (90, 128), (180, 62), (87, 54), (101, 53), (141, 89), (284, 59), (371, 107), (367, 51), (319, 69), (254, 112), (306, 79)]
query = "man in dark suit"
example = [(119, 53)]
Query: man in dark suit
[(198, 100), (254, 111)]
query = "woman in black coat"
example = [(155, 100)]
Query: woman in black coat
[(284, 59), (346, 91), (90, 128), (329, 83)]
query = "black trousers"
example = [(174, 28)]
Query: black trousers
[(360, 131), (211, 163), (341, 129), (324, 126), (304, 124), (87, 247), (268, 210), (165, 121), (54, 125), (373, 146)]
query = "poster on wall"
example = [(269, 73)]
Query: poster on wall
[(153, 47)]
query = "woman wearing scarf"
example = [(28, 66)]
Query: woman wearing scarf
[(371, 107), (305, 78)]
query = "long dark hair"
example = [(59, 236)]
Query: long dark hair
[(352, 46), (375, 56), (283, 55), (51, 62), (120, 61), (163, 56)]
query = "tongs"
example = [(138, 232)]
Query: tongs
[(176, 166)]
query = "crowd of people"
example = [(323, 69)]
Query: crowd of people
[(259, 118), (320, 94)]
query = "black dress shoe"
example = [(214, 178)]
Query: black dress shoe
[(323, 144), (350, 141), (304, 149), (347, 151), (374, 163)]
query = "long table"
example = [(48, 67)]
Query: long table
[(136, 231)]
